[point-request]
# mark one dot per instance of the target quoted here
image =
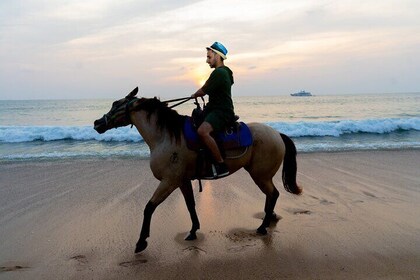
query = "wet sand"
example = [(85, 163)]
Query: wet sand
[(358, 218)]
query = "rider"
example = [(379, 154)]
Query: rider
[(219, 109)]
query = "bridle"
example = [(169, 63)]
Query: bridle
[(127, 107), (127, 110)]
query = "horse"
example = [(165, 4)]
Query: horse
[(174, 165)]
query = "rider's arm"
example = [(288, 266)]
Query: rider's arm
[(198, 93), (211, 84)]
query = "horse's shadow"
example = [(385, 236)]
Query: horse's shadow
[(274, 218), (239, 237), (180, 238)]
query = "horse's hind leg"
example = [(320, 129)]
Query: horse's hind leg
[(187, 191), (272, 194)]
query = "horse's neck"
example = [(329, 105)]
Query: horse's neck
[(147, 127)]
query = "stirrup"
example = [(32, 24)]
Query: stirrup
[(215, 173)]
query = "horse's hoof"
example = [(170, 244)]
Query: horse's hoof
[(140, 246), (262, 231), (191, 236)]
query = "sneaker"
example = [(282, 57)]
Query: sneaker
[(220, 170)]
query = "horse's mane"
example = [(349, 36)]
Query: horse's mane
[(167, 118)]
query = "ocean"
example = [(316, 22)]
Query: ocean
[(56, 129)]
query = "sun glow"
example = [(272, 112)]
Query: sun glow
[(200, 75), (201, 82)]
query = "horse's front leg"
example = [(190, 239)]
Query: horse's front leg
[(187, 191), (161, 193)]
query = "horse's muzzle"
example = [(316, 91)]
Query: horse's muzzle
[(100, 125)]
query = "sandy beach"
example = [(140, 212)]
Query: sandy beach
[(358, 218)]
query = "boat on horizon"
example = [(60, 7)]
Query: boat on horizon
[(301, 93)]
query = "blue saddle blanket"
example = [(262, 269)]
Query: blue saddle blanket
[(237, 137)]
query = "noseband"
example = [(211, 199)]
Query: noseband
[(126, 109), (105, 119)]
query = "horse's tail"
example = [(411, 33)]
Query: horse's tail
[(290, 166)]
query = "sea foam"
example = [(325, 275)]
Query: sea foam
[(338, 128), (17, 134)]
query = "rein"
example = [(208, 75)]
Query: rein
[(128, 104), (184, 99)]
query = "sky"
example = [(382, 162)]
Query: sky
[(56, 49)]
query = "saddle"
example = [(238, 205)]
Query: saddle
[(237, 136)]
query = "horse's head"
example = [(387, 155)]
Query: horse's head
[(118, 115)]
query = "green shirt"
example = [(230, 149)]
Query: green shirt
[(218, 88)]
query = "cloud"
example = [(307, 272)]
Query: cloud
[(162, 43)]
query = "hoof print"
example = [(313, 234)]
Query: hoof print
[(369, 194), (132, 263), (12, 268), (81, 262), (240, 248), (81, 259), (194, 248), (300, 212)]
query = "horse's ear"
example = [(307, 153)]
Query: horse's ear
[(132, 93)]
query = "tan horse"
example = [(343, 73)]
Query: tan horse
[(174, 165)]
